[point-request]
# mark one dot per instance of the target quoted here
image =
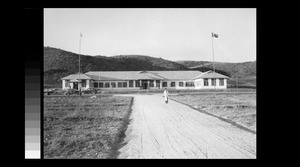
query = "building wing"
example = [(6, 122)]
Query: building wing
[(210, 74)]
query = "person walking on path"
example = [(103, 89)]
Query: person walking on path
[(166, 93)]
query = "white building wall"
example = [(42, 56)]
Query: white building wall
[(199, 83), (90, 84), (217, 86), (177, 84), (63, 84), (179, 87)]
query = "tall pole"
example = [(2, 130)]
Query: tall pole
[(212, 41), (79, 83), (79, 51)]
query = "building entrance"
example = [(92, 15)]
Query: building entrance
[(144, 84)]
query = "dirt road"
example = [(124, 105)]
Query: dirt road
[(173, 130)]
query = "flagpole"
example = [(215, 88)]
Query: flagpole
[(79, 83), (79, 51), (212, 41)]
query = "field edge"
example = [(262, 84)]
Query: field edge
[(119, 140), (223, 119)]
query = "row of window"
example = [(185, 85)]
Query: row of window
[(122, 84), (151, 84), (111, 85), (137, 84), (213, 82)]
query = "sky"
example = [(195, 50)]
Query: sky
[(170, 33)]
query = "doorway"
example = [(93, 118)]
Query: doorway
[(75, 85), (144, 84)]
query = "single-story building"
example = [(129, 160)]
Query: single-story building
[(146, 80)]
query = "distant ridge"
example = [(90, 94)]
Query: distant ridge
[(59, 63), (244, 69)]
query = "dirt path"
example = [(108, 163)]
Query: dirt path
[(173, 130)]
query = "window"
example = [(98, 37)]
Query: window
[(83, 83), (120, 84), (131, 83), (67, 83), (157, 83), (113, 84), (172, 84), (189, 84), (221, 82), (137, 83), (96, 84), (107, 84), (124, 84), (164, 84), (180, 84), (151, 83), (213, 82), (205, 82), (100, 84)]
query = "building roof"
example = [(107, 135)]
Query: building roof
[(140, 75), (74, 80), (76, 77), (177, 75), (210, 74), (135, 75)]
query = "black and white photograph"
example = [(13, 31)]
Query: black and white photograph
[(149, 83)]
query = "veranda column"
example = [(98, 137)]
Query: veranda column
[(87, 83), (63, 84), (154, 83), (148, 85), (160, 84), (140, 84)]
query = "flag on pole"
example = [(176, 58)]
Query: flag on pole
[(214, 35)]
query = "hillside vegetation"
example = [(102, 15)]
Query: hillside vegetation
[(59, 63), (241, 75), (241, 70)]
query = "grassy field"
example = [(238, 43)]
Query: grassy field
[(236, 107), (246, 82), (83, 127)]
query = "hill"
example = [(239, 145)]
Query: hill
[(245, 71), (189, 63), (241, 70), (59, 63)]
